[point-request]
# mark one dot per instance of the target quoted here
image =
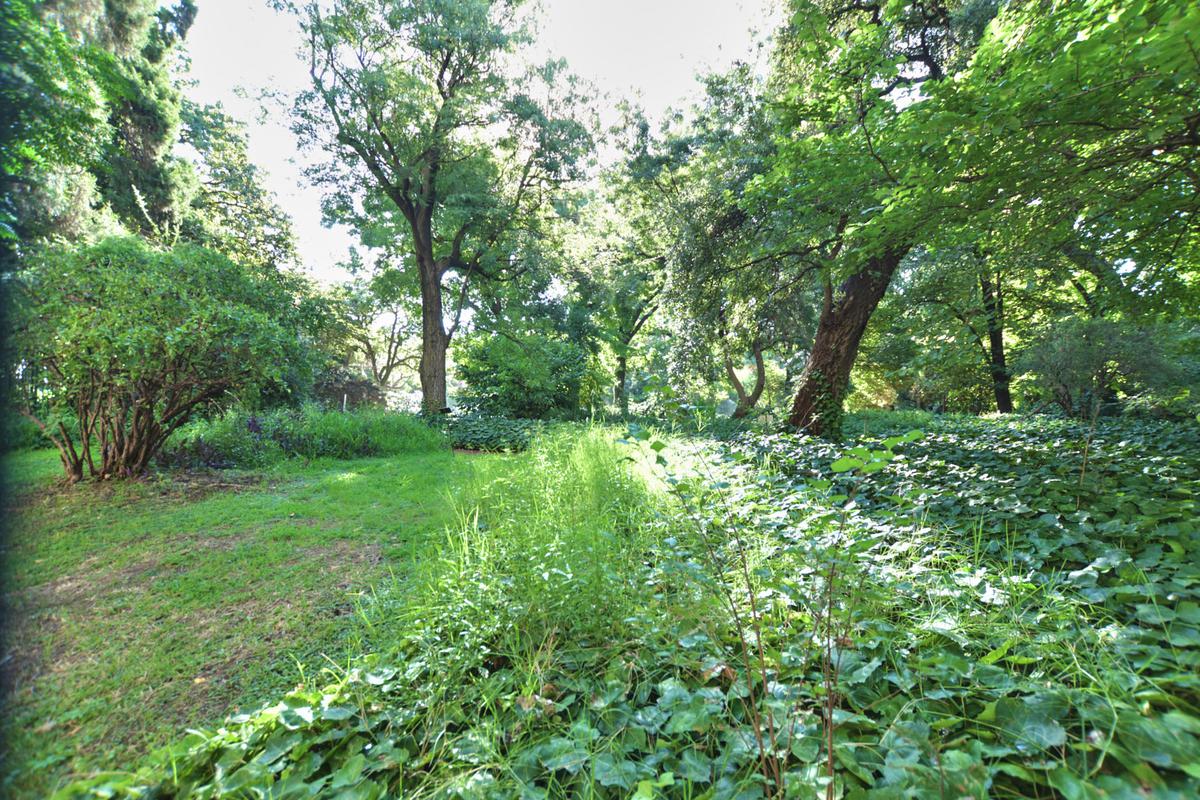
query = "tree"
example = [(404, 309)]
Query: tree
[(49, 113), (849, 173), (1041, 132), (138, 174), (379, 325), (415, 107), (231, 211), (619, 269), (133, 340), (733, 299)]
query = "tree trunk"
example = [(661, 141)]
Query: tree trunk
[(619, 394), (993, 306), (747, 401), (434, 340), (1113, 290), (817, 408)]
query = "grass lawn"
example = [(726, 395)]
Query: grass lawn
[(147, 608)]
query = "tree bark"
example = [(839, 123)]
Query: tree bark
[(817, 408), (747, 401), (622, 396), (434, 340), (993, 306)]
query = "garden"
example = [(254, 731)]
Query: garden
[(833, 433)]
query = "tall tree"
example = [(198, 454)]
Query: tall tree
[(138, 174), (850, 165), (1068, 121), (231, 210), (620, 268), (415, 104), (49, 113)]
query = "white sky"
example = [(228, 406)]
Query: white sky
[(650, 50)]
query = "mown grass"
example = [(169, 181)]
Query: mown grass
[(148, 607)]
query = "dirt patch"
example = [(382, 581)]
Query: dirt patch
[(175, 485), (198, 485)]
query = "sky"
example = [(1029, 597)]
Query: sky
[(648, 50)]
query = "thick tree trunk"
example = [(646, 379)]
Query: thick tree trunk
[(993, 306), (747, 400), (620, 395), (817, 408), (434, 340)]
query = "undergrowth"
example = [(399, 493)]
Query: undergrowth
[(968, 612), (252, 440), (489, 433)]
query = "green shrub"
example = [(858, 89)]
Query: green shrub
[(489, 433), (532, 378), (20, 433), (135, 340), (248, 440)]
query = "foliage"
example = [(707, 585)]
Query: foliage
[(137, 173), (20, 433), (335, 385), (48, 113), (134, 340), (231, 211), (437, 147), (378, 322), (248, 440), (532, 377), (1045, 640), (1048, 595), (489, 433), (897, 132), (1080, 364)]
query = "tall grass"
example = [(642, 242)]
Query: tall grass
[(249, 440), (551, 547)]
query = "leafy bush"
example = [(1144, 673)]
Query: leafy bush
[(19, 433), (489, 433), (1082, 363), (134, 340), (243, 439), (532, 378)]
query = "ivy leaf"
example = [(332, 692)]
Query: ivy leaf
[(1032, 722), (609, 771), (565, 754)]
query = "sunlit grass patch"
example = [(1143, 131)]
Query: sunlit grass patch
[(147, 607)]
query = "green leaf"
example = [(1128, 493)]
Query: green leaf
[(610, 770), (1032, 722)]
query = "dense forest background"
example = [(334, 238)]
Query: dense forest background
[(975, 206)]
